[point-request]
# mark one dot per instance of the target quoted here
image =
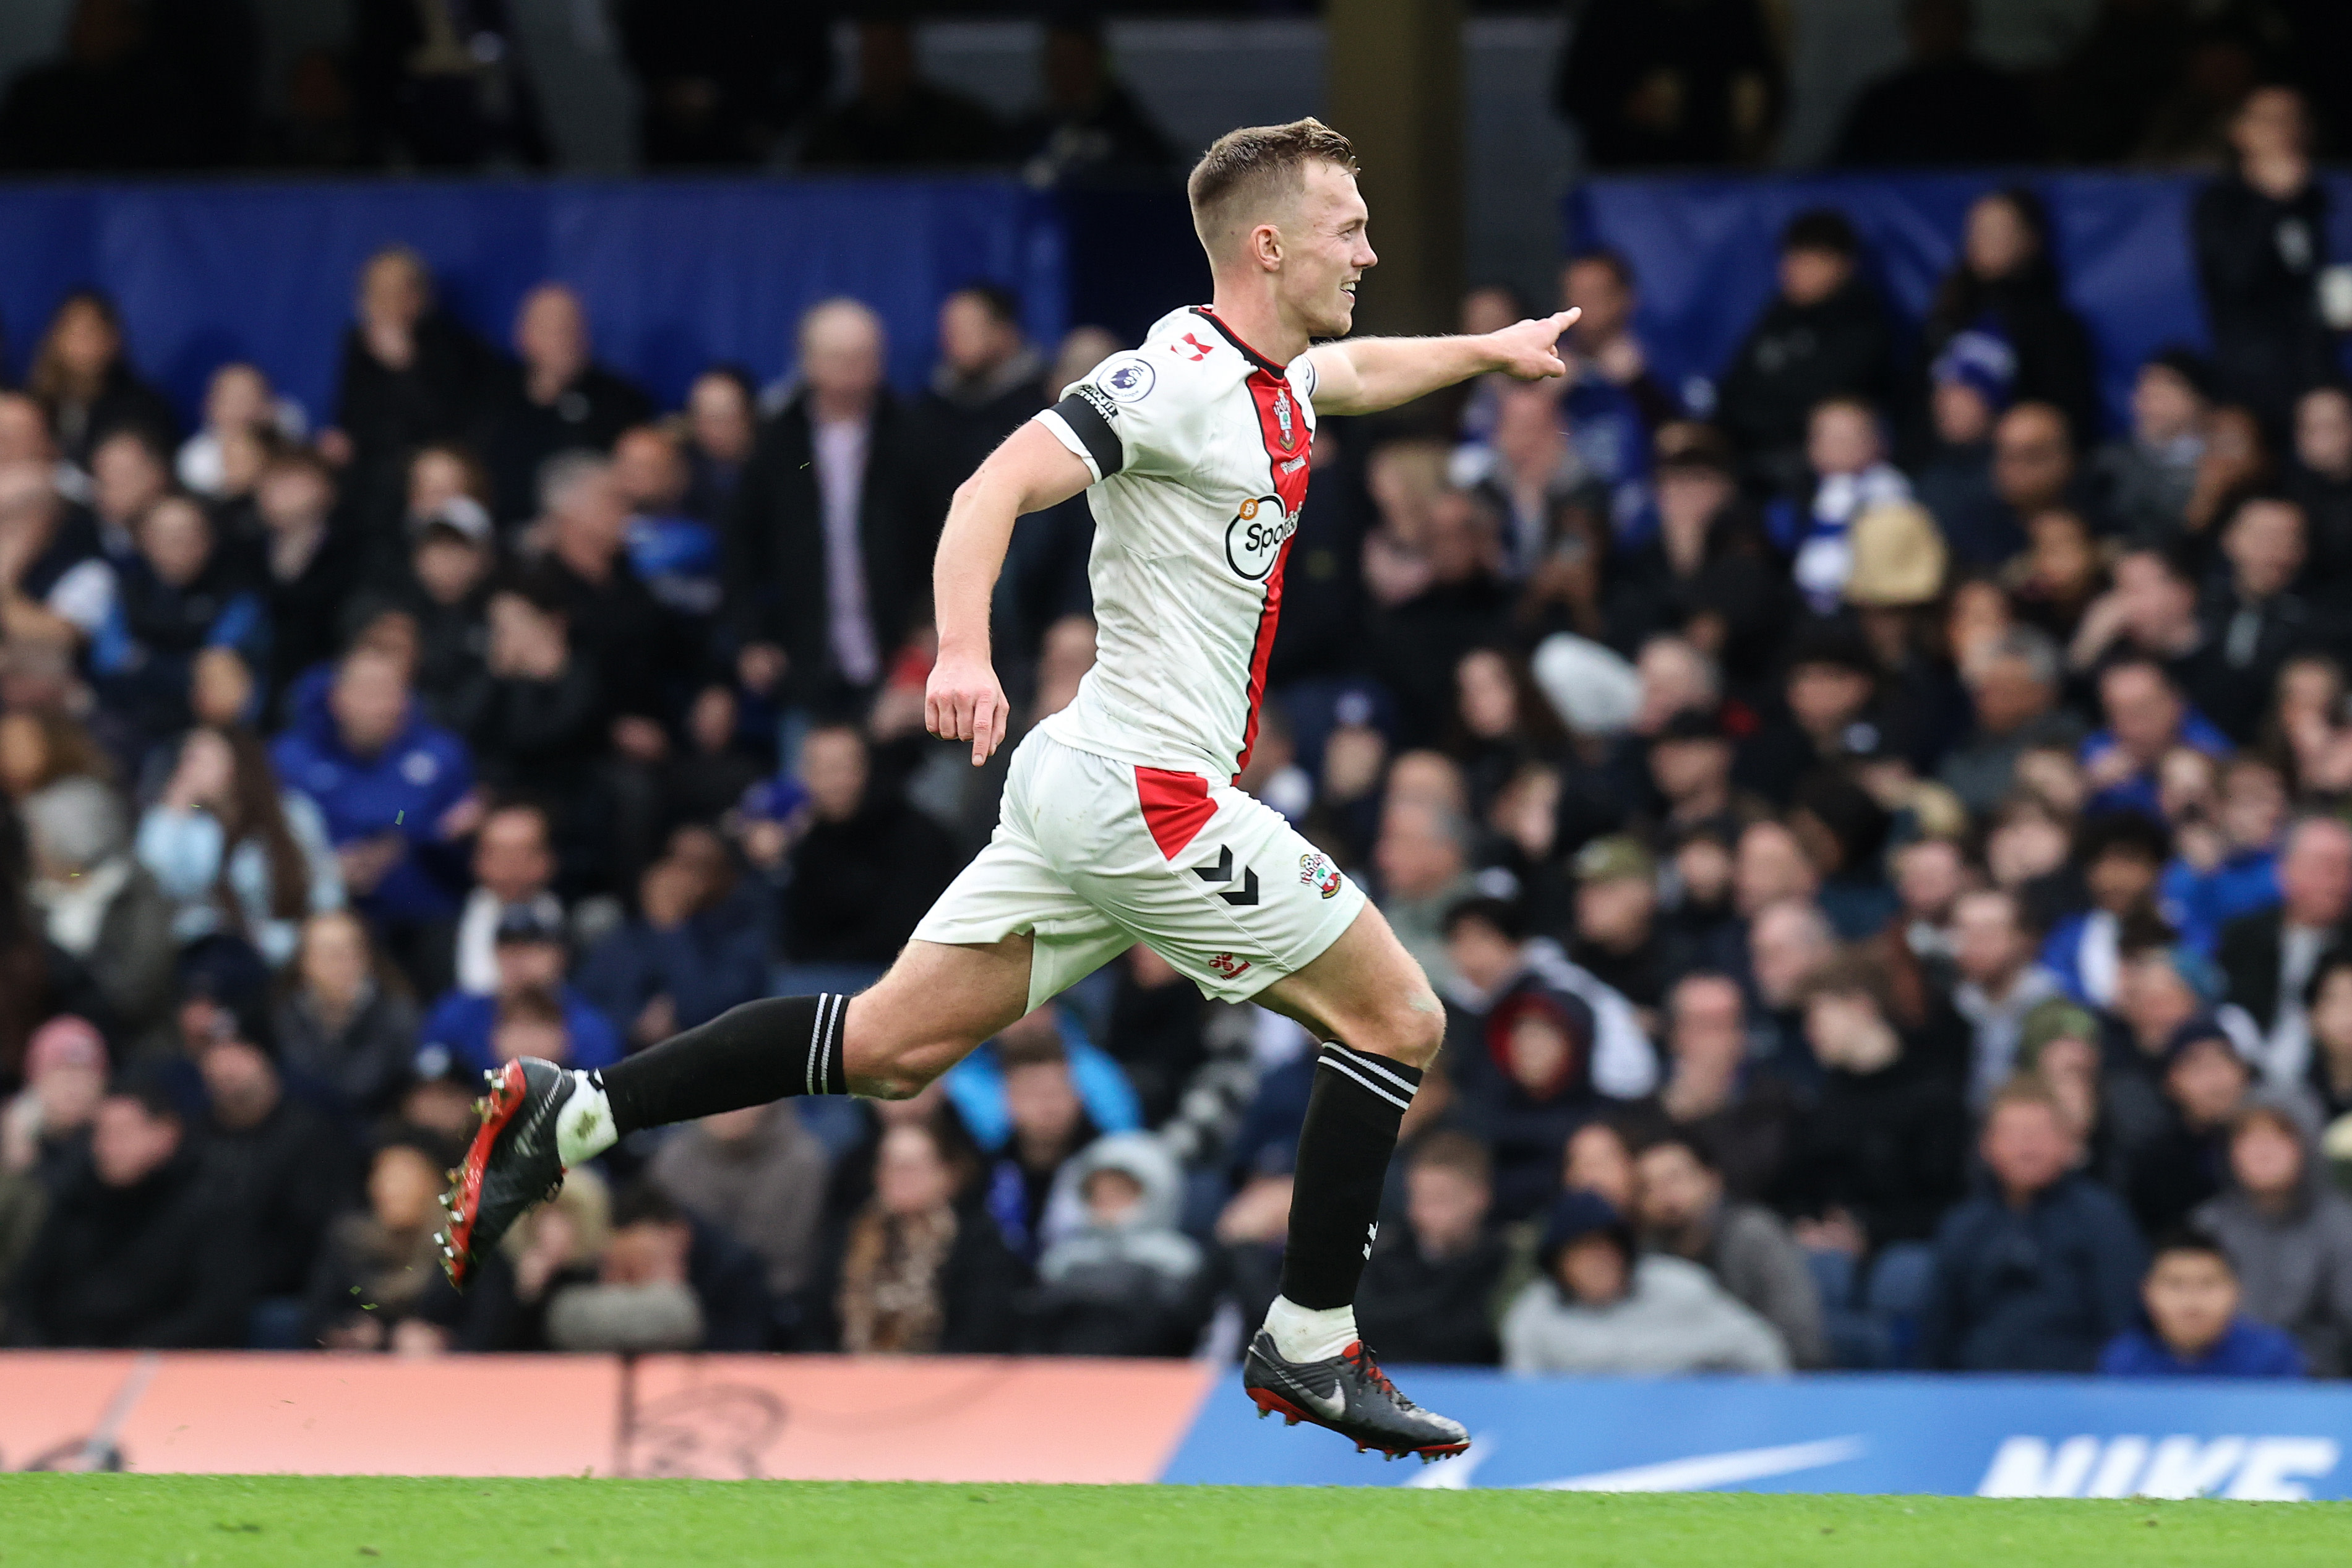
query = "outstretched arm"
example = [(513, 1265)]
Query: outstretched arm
[(1032, 470), (1365, 376)]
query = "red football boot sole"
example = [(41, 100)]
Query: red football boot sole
[(464, 1200)]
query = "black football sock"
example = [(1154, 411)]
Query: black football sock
[(749, 1055), (1352, 1114)]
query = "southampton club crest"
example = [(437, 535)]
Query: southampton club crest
[(1316, 871)]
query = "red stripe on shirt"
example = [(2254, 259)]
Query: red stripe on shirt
[(1287, 454)]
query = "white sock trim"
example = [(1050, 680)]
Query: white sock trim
[(583, 1128), (1304, 1334)]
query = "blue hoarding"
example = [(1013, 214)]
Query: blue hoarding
[(1957, 1436)]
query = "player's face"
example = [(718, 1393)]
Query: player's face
[(1325, 251)]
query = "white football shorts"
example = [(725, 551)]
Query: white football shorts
[(1091, 856)]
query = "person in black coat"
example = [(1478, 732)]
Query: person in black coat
[(868, 865), (818, 630), (311, 561), (1429, 1286), (144, 1247), (287, 1166), (409, 376), (2204, 1082), (1944, 106), (1876, 1156), (555, 398), (990, 378), (1823, 336), (2260, 239), (1527, 1085), (1090, 130), (2006, 287), (1670, 83), (2039, 1272)]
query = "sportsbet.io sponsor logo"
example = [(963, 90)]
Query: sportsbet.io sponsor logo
[(1253, 539)]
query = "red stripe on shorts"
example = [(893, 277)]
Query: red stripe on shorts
[(1176, 806)]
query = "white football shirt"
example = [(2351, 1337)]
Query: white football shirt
[(1198, 445)]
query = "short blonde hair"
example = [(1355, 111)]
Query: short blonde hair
[(1244, 168)]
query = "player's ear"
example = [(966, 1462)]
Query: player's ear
[(1266, 245)]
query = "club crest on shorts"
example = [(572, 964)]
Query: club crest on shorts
[(1316, 869), (1228, 966)]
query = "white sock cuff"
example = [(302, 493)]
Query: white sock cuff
[(1309, 1333), (583, 1127)]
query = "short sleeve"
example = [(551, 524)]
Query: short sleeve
[(1120, 419)]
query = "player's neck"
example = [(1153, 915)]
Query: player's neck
[(1254, 316)]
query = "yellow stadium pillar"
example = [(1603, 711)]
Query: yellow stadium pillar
[(1393, 84)]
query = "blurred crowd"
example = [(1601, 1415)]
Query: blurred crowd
[(1645, 84), (1883, 845)]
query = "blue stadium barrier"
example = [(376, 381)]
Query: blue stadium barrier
[(1989, 1437), (676, 272), (1704, 247)]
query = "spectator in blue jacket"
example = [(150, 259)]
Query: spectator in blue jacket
[(2146, 717), (531, 957), (696, 948), (2122, 856), (2194, 1327), (395, 792), (2041, 1272)]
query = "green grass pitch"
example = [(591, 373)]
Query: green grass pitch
[(367, 1521)]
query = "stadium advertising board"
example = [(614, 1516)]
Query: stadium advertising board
[(983, 1420)]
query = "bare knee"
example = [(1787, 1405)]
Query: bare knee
[(1409, 1030), (887, 1054)]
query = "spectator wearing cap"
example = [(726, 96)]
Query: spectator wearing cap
[(1616, 936), (395, 792), (1971, 381), (2145, 717), (144, 1246), (2112, 1111), (2039, 1271), (2013, 689), (1895, 568), (283, 1163), (1598, 1308), (345, 1023), (2192, 1298), (2205, 1083), (1430, 1285), (1684, 1212), (532, 952), (1999, 983), (1876, 1156), (1823, 336), (1691, 761), (2286, 1231), (2123, 857), (102, 909), (2271, 958), (2145, 477), (1850, 476)]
